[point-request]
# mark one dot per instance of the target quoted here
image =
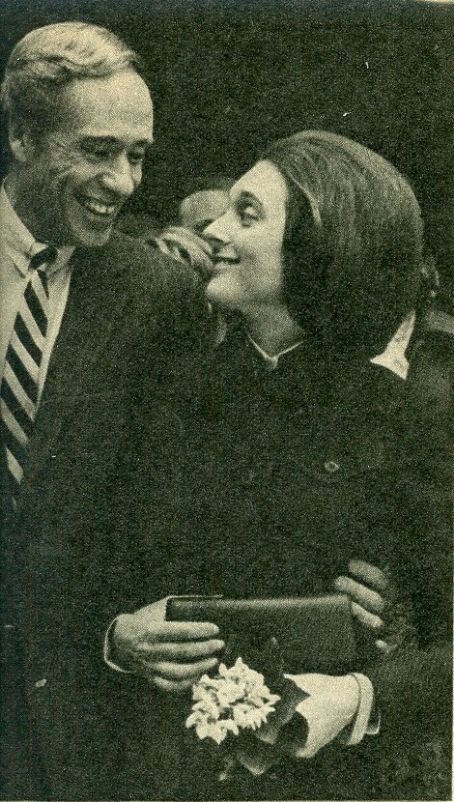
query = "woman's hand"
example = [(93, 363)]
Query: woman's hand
[(171, 655)]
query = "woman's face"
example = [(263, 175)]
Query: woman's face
[(249, 235)]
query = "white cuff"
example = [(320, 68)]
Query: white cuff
[(337, 709), (362, 724), (107, 651)]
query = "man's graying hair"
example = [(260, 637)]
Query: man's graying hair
[(46, 60)]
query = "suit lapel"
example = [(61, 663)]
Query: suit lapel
[(94, 306)]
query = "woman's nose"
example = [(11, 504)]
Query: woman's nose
[(216, 234), (215, 243)]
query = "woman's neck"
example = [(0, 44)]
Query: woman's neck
[(272, 328)]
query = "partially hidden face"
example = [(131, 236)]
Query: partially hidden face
[(74, 183), (249, 237)]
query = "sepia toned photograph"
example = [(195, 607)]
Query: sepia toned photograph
[(226, 400)]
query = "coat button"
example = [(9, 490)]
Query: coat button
[(41, 683), (331, 466)]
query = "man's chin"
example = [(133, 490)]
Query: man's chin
[(92, 239)]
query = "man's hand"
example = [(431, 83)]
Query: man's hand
[(171, 655), (367, 586)]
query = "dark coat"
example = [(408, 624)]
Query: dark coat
[(300, 470), (101, 483)]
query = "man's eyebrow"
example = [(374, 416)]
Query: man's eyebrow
[(111, 141), (98, 140)]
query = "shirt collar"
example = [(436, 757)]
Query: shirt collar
[(272, 361), (20, 243), (393, 357)]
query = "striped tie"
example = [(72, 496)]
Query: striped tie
[(19, 388)]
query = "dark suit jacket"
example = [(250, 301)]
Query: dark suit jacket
[(89, 537)]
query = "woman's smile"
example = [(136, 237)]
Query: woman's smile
[(248, 241)]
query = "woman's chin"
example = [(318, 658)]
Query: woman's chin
[(220, 292)]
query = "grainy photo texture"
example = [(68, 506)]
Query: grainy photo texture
[(226, 365)]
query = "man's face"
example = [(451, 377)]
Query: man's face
[(72, 184)]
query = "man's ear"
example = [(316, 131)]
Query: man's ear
[(21, 144)]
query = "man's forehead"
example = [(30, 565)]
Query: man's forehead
[(117, 107), (122, 95)]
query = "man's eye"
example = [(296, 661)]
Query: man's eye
[(136, 157), (98, 152), (248, 215)]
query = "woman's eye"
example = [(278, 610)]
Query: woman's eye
[(248, 215)]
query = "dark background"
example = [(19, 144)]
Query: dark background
[(227, 77)]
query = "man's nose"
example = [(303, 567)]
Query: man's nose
[(122, 178)]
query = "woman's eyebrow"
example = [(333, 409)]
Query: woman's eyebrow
[(248, 196)]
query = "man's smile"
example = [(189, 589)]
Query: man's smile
[(98, 207)]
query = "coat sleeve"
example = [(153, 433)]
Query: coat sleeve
[(413, 687), (171, 337)]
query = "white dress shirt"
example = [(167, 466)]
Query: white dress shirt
[(17, 247)]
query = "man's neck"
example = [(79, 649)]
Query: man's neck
[(272, 328), (18, 195), (20, 205)]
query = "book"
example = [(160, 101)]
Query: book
[(312, 633)]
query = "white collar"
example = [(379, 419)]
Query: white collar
[(272, 361), (393, 357)]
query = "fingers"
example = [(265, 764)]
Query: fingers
[(368, 620), (169, 631), (175, 677), (179, 671), (369, 574), (170, 686), (144, 627), (186, 651), (369, 599), (384, 647)]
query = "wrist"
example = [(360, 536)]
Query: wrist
[(351, 690), (117, 653)]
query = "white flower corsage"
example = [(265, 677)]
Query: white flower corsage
[(235, 699)]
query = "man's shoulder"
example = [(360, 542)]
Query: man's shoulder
[(141, 270), (145, 264)]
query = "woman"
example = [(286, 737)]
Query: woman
[(303, 462), (321, 254)]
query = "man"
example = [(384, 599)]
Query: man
[(99, 337)]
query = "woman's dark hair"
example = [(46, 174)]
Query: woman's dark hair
[(353, 241)]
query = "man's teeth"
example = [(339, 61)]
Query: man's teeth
[(98, 207)]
